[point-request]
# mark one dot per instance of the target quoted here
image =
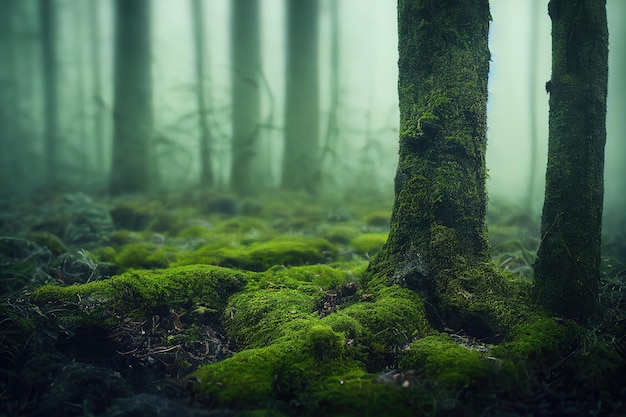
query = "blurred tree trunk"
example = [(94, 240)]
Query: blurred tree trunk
[(47, 15), (206, 169), (567, 271), (132, 162), (438, 219), (246, 70), (331, 147), (8, 94), (96, 66), (86, 140), (301, 170)]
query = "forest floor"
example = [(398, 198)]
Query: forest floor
[(197, 304)]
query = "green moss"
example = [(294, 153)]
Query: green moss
[(538, 339), (448, 364), (396, 315), (341, 234), (311, 279), (260, 256), (142, 256), (258, 318), (324, 343), (378, 218), (252, 378), (196, 232), (368, 243), (482, 300), (49, 240), (357, 393), (134, 293)]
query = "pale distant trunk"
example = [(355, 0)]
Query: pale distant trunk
[(206, 169), (50, 72), (85, 138), (132, 163), (301, 170), (8, 137), (96, 64), (245, 62), (331, 147)]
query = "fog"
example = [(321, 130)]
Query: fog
[(365, 148)]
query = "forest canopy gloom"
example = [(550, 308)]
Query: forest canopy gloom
[(312, 208)]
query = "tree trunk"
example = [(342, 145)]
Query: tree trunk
[(49, 63), (9, 143), (246, 62), (96, 64), (567, 271), (438, 219), (132, 162), (206, 169), (301, 170)]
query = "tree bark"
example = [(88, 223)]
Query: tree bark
[(567, 270), (301, 170), (206, 168), (132, 162), (246, 69), (438, 219)]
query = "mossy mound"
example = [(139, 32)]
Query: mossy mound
[(135, 293), (445, 362), (368, 244), (257, 377), (259, 256)]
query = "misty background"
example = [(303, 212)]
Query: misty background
[(358, 117)]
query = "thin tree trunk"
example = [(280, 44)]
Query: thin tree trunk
[(567, 271), (50, 76), (301, 170), (96, 64), (206, 169), (246, 61), (332, 128)]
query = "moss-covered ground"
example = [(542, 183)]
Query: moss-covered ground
[(203, 305)]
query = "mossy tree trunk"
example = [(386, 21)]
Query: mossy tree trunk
[(246, 76), (438, 219), (301, 170), (132, 166), (567, 271)]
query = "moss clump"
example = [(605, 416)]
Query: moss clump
[(253, 378), (340, 234), (258, 318), (538, 339), (369, 243), (142, 256), (394, 317), (134, 293), (325, 344), (260, 256), (358, 393), (482, 300), (440, 359), (308, 278), (378, 218)]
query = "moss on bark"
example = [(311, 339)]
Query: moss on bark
[(438, 219), (567, 271)]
